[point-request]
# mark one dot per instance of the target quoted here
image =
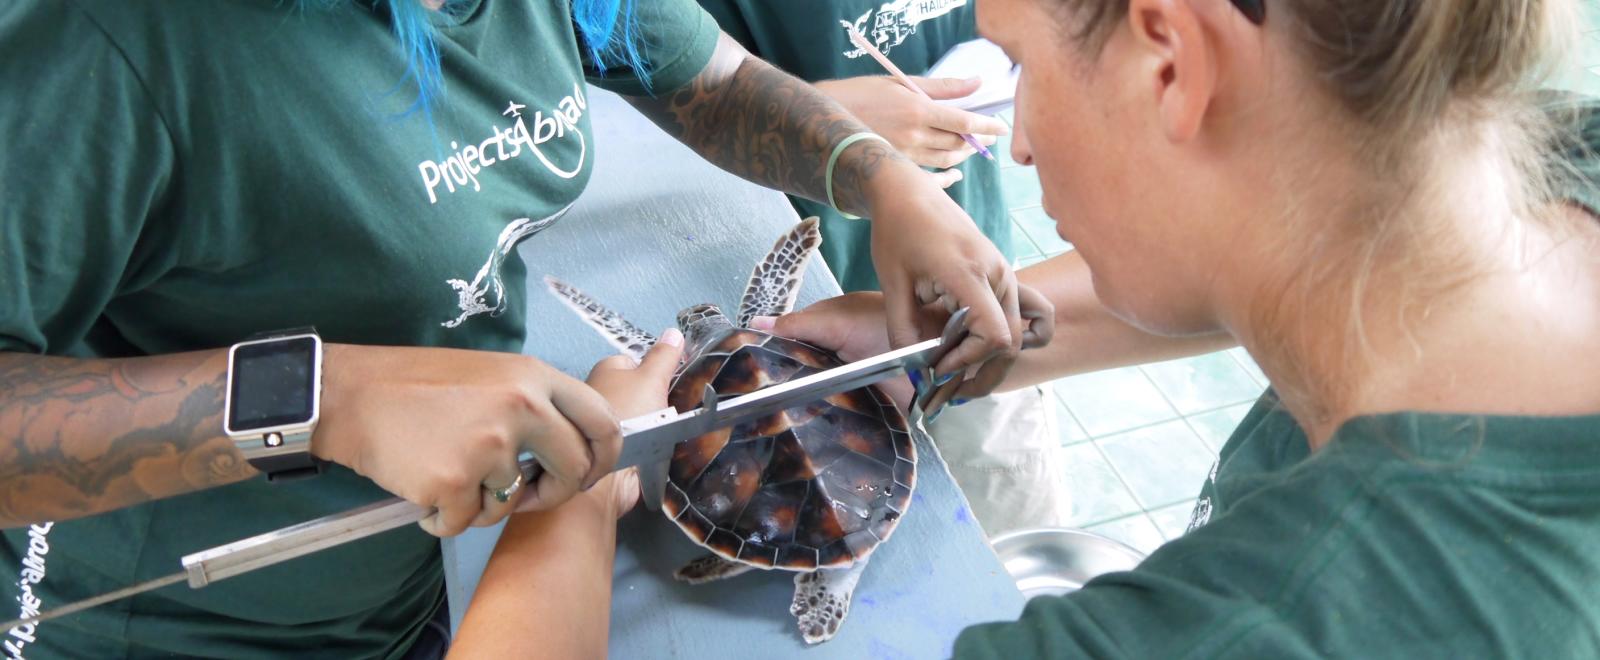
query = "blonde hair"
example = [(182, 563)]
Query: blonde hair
[(1400, 67), (1411, 80)]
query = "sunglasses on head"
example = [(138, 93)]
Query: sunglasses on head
[(1255, 10)]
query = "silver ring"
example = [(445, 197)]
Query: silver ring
[(504, 494)]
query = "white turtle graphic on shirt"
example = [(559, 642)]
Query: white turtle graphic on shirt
[(894, 22), (1202, 508), (474, 297)]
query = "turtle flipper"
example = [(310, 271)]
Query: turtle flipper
[(822, 599), (628, 338), (708, 568), (776, 280)]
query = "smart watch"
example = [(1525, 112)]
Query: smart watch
[(273, 400)]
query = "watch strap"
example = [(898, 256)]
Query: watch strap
[(289, 467), (281, 457), (289, 332)]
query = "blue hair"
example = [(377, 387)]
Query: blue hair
[(608, 29), (409, 20)]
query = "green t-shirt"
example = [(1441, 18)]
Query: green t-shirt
[(807, 40), (236, 166), (1408, 535)]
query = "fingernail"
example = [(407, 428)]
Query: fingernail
[(916, 378), (764, 323), (960, 402), (935, 416), (945, 379), (672, 337)]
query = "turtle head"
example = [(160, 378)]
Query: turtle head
[(701, 326)]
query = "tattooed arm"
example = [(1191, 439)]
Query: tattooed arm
[(432, 425), (771, 128), (79, 437)]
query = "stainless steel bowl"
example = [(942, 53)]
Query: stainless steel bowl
[(1050, 561)]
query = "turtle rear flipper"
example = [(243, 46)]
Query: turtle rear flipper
[(628, 338), (709, 568), (776, 280), (822, 599)]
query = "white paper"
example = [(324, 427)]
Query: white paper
[(980, 58)]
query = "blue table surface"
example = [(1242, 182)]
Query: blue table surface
[(659, 230)]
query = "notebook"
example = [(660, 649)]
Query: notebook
[(980, 58)]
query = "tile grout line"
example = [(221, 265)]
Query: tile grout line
[(1190, 503), (1120, 518), (1196, 432), (1132, 428), (1120, 480), (1147, 518), (1223, 407), (1157, 386), (1070, 415), (1247, 370), (1137, 499), (1017, 227), (1142, 427)]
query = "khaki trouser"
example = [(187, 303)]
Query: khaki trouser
[(1005, 453)]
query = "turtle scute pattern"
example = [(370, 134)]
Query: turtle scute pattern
[(815, 486)]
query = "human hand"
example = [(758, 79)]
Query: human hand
[(854, 327), (927, 250), (926, 132), (633, 390), (637, 389), (439, 426)]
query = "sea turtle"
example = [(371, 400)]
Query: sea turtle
[(813, 489)]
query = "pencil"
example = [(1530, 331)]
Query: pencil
[(861, 42)]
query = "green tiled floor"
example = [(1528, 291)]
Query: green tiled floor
[(1139, 441)]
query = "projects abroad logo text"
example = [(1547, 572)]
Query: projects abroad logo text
[(29, 574), (460, 170)]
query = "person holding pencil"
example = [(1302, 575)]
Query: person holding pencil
[(1006, 459)]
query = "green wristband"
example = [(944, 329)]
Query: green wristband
[(834, 160)]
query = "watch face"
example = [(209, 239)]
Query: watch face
[(274, 384)]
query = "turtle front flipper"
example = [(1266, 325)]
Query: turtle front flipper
[(628, 338), (708, 568), (822, 599), (776, 280)]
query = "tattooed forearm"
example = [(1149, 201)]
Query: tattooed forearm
[(79, 437), (771, 128)]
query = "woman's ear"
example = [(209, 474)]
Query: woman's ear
[(1171, 37)]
